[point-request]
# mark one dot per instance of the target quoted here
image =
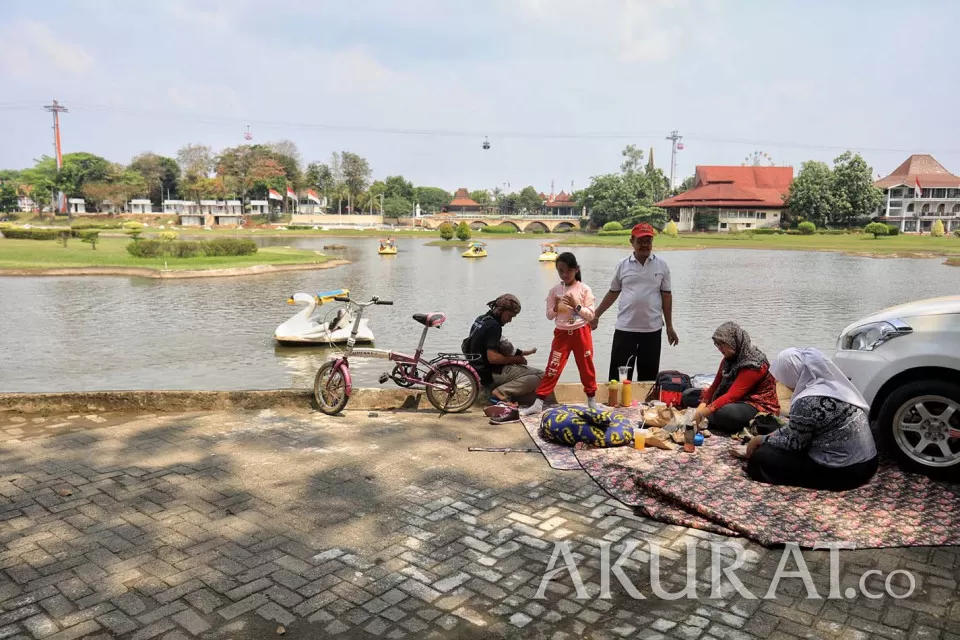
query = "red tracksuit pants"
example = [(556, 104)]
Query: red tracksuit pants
[(580, 342)]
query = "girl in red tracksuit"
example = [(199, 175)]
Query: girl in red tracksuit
[(570, 305)]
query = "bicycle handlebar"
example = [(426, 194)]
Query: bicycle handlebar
[(373, 300)]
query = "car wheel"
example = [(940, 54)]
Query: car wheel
[(921, 424)]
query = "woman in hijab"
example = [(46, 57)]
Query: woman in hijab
[(827, 444), (742, 388)]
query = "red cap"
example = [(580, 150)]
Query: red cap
[(643, 230)]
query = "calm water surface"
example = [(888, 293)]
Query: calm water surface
[(94, 333)]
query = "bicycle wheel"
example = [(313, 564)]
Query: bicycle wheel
[(457, 390), (330, 390)]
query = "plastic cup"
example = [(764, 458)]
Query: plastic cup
[(623, 371), (639, 438)]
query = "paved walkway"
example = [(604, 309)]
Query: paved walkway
[(233, 525)]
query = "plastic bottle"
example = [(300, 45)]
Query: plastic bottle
[(626, 394), (689, 434), (612, 393)]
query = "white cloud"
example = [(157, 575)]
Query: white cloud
[(31, 46), (629, 30)]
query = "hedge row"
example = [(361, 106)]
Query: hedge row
[(620, 232), (16, 233), (191, 249), (500, 228)]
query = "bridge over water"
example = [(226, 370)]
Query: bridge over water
[(520, 223)]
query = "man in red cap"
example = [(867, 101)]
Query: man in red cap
[(642, 283)]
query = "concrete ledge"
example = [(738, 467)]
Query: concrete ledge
[(177, 401)]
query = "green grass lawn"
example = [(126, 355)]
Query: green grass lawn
[(851, 243), (112, 252)]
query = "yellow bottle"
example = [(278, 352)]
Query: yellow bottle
[(612, 393), (626, 394)]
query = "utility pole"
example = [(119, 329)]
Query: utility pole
[(56, 109), (675, 137)]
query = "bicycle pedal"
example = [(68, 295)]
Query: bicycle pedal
[(384, 377)]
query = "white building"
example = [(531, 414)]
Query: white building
[(259, 207), (213, 207), (76, 205), (939, 196), (141, 206), (26, 204)]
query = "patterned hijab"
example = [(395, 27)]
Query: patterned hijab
[(746, 355), (810, 373)]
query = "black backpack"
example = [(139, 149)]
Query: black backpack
[(671, 384)]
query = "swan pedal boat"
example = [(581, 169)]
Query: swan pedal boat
[(476, 250), (305, 328), (387, 248)]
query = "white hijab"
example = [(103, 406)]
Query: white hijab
[(810, 373)]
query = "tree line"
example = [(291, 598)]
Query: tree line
[(841, 195)]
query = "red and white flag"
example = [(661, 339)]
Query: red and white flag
[(291, 194), (273, 195), (312, 196), (916, 181)]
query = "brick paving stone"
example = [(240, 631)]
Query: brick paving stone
[(191, 621), (117, 622), (454, 555)]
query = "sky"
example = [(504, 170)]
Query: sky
[(558, 87)]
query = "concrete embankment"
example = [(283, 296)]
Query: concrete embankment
[(155, 401)]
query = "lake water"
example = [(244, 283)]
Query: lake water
[(98, 333)]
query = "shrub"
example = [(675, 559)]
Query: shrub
[(621, 232), (145, 248), (150, 248), (228, 247), (500, 228), (563, 230), (767, 232), (613, 225), (463, 231), (793, 232), (446, 231), (877, 229), (91, 237), (807, 228), (956, 232), (169, 236), (671, 229), (833, 232), (17, 233), (893, 230), (937, 231), (538, 231)]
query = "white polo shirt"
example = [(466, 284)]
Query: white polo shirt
[(640, 285)]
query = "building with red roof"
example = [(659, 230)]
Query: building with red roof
[(561, 204), (917, 193), (733, 198), (462, 203)]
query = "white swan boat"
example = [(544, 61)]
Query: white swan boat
[(308, 328)]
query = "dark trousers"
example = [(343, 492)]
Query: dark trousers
[(643, 347), (730, 418), (772, 465)]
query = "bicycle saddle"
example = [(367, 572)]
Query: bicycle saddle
[(432, 319)]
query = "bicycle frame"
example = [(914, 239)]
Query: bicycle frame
[(417, 361)]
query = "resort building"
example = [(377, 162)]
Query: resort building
[(141, 206), (733, 198), (919, 192), (462, 203)]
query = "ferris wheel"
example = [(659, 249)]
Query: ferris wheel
[(757, 159), (246, 134)]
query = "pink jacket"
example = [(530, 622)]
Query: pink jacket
[(567, 318)]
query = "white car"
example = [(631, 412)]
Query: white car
[(905, 360)]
